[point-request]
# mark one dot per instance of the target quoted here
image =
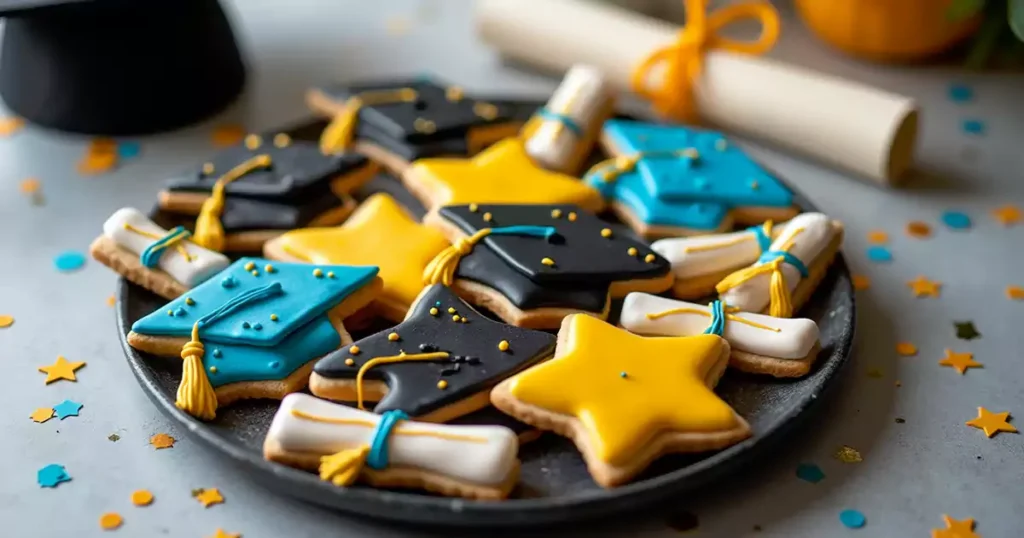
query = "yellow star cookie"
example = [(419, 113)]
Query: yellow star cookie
[(379, 233), (992, 423), (626, 399), (501, 174)]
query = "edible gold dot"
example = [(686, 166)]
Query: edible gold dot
[(649, 258), (170, 312), (486, 111), (556, 213), (572, 216), (423, 125), (442, 384), (253, 141), (318, 273), (473, 208), (189, 301), (250, 266), (349, 361), (354, 350), (606, 232), (213, 369), (282, 140), (503, 345), (451, 309), (330, 274), (433, 311), (255, 272), (269, 268), (208, 168), (487, 217), (454, 93), (455, 317), (273, 317), (463, 319), (393, 337), (632, 251), (547, 261)]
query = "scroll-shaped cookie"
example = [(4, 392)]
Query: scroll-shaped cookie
[(760, 344), (785, 276), (345, 445), (164, 262), (561, 134)]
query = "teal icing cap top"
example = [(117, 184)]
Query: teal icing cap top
[(293, 295)]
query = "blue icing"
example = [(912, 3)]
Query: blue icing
[(720, 172)]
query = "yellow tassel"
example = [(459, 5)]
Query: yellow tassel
[(338, 135), (343, 468), (209, 232), (781, 304), (441, 270), (195, 393)]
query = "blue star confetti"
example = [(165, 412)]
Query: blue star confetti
[(69, 261), (809, 472), (956, 220), (974, 127), (961, 93), (879, 254), (51, 475), (67, 408), (852, 519)]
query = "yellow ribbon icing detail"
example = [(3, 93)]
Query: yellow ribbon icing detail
[(209, 231), (441, 270), (401, 357), (780, 298), (195, 393), (730, 317), (175, 241), (339, 133)]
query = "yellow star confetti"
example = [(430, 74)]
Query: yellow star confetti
[(960, 361), (6, 321), (1008, 215), (62, 369), (906, 349), (161, 440), (111, 521), (42, 414), (209, 497), (956, 529), (221, 533), (142, 497), (992, 423), (848, 454), (922, 287)]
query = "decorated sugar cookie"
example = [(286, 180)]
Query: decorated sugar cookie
[(398, 122), (626, 400), (532, 265), (438, 364), (784, 276), (255, 329), (490, 416), (379, 233), (163, 261), (346, 445), (669, 180), (267, 185), (760, 344)]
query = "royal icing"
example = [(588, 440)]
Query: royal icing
[(625, 389), (568, 117), (779, 338), (478, 455), (183, 260), (260, 319), (711, 254), (805, 237)]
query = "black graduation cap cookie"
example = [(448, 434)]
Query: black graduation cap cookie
[(532, 265), (399, 121), (438, 364), (252, 192)]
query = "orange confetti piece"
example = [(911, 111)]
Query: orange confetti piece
[(906, 349), (6, 321), (42, 414), (9, 126), (956, 529), (93, 164), (922, 287), (162, 440), (861, 282), (1015, 293), (111, 521), (209, 497), (878, 236), (918, 229), (992, 423), (221, 533), (227, 135), (1008, 215), (960, 361), (30, 185), (142, 497), (111, 301)]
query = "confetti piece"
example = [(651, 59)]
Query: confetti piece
[(30, 185), (848, 454), (683, 521), (1015, 293), (879, 254), (52, 475), (922, 287), (227, 135), (992, 423), (973, 127), (221, 533), (852, 519), (960, 361), (127, 149), (67, 408), (62, 369), (9, 126), (809, 472), (114, 437), (101, 155), (209, 497), (861, 282), (1007, 215), (960, 93), (956, 220), (875, 373), (919, 229), (42, 414), (6, 321), (68, 261), (906, 349), (142, 497), (877, 237), (965, 330), (162, 440), (955, 529), (899, 420), (111, 521), (111, 301)]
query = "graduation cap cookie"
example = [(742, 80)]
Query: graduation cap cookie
[(267, 185), (397, 122), (669, 180), (255, 329), (532, 265), (438, 364)]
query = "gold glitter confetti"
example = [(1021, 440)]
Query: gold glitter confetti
[(848, 454)]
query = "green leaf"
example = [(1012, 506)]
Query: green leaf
[(1015, 15), (964, 9)]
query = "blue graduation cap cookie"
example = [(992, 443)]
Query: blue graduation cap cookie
[(670, 180), (255, 329)]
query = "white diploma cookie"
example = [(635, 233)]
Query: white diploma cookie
[(133, 231), (477, 456), (703, 255), (766, 336), (574, 111)]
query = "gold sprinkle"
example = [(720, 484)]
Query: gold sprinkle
[(555, 213), (208, 169), (424, 126), (354, 350), (632, 251), (547, 261), (255, 272), (349, 361), (486, 111), (606, 232), (273, 317), (250, 266), (189, 301), (487, 217), (433, 311), (213, 369), (282, 140), (451, 309), (442, 384), (253, 141), (848, 454), (649, 258), (454, 93), (318, 273), (455, 317), (170, 312), (393, 337), (269, 268), (330, 274), (463, 319), (473, 208), (503, 345), (572, 216)]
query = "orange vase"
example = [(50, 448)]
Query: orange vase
[(886, 30)]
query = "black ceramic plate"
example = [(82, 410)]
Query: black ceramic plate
[(555, 486)]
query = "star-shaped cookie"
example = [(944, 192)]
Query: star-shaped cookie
[(625, 399), (379, 233), (438, 364)]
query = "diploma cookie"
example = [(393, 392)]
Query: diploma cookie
[(381, 233), (784, 276), (490, 416), (626, 400), (397, 122), (345, 445), (760, 344), (268, 184), (562, 133), (668, 180), (532, 265), (162, 261), (255, 329), (438, 364)]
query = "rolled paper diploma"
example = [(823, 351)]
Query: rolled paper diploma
[(134, 232), (703, 255), (780, 338), (850, 125), (570, 119), (482, 456)]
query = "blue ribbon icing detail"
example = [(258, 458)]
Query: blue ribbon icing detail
[(378, 456), (150, 256), (532, 231), (565, 120), (717, 325), (770, 256), (763, 241)]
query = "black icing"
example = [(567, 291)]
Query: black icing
[(412, 386)]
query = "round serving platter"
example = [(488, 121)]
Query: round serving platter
[(554, 486)]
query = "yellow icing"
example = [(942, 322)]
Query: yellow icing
[(663, 389), (705, 313), (378, 233), (399, 430)]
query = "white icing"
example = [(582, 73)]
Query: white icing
[(204, 263), (486, 463), (817, 232), (581, 96), (794, 340), (710, 254)]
